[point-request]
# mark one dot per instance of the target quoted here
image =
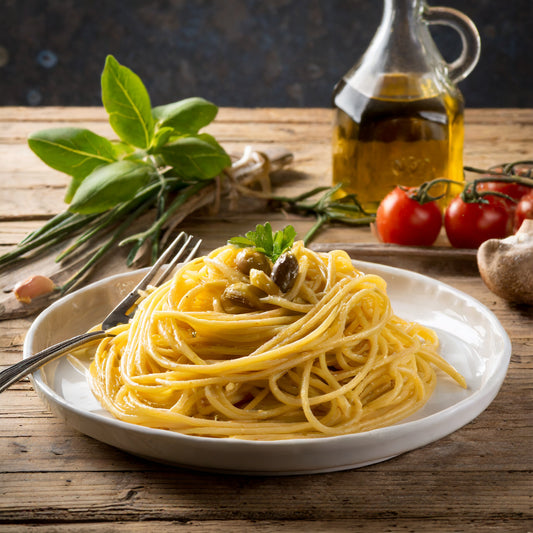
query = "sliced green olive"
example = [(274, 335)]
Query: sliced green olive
[(242, 298), (285, 271), (249, 258)]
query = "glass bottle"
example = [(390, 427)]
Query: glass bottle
[(399, 114)]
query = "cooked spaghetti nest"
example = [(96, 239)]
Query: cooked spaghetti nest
[(328, 357)]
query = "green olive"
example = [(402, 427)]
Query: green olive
[(285, 271), (242, 298), (249, 258)]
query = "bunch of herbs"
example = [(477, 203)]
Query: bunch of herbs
[(159, 161)]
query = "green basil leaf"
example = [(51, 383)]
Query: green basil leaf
[(122, 149), (109, 185), (71, 189), (195, 156), (127, 102), (75, 151), (186, 116), (162, 135)]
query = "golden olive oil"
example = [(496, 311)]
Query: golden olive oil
[(408, 134)]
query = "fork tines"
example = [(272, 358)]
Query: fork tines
[(164, 272)]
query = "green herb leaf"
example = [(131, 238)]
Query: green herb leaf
[(122, 149), (126, 100), (186, 116), (108, 186), (283, 240), (161, 137), (75, 151), (264, 240), (242, 242), (195, 156)]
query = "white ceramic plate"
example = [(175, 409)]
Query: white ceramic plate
[(471, 338)]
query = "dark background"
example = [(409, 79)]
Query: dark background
[(246, 53)]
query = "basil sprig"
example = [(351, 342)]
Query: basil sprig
[(158, 161), (265, 240), (104, 173)]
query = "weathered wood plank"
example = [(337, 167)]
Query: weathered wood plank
[(386, 525), (282, 129), (249, 115), (44, 444), (14, 134), (172, 495)]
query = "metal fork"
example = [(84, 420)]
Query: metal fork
[(119, 315)]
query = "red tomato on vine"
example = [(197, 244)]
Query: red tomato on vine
[(514, 190), (524, 209), (469, 223), (402, 219)]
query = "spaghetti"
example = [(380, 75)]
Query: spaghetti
[(328, 357)]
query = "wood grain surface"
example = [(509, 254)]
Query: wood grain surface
[(55, 479)]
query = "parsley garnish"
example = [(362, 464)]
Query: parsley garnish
[(264, 240)]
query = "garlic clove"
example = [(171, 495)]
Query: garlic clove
[(33, 287)]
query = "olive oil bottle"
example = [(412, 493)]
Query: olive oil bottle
[(398, 114)]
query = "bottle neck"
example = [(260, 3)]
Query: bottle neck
[(402, 9), (401, 21), (402, 49)]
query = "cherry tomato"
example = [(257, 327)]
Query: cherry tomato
[(518, 169), (469, 224), (402, 220), (524, 209), (514, 190)]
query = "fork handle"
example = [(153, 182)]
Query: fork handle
[(17, 371)]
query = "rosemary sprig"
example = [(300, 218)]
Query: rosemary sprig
[(329, 207)]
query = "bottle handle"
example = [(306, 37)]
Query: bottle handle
[(460, 68)]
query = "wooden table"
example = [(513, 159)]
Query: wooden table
[(55, 479)]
